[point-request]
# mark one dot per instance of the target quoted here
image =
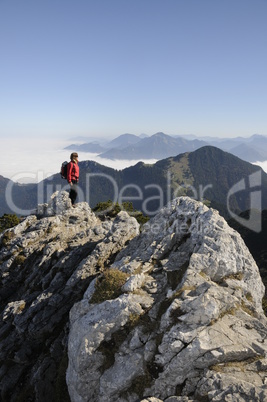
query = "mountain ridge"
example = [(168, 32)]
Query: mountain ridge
[(251, 149), (205, 173), (183, 318)]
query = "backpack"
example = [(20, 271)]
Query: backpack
[(63, 170)]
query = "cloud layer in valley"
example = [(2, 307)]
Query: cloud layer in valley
[(29, 161)]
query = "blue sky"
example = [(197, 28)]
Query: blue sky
[(107, 67)]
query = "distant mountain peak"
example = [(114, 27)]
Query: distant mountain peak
[(157, 146), (160, 134)]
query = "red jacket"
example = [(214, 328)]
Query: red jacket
[(72, 171)]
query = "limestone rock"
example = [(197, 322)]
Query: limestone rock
[(47, 263), (182, 321), (198, 333)]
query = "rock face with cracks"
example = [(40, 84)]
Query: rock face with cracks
[(47, 263), (93, 310), (188, 325)]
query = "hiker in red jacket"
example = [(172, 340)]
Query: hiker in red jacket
[(73, 176)]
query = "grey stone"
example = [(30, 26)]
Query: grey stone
[(49, 261), (204, 315), (187, 324)]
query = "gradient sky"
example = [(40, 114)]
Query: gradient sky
[(107, 67)]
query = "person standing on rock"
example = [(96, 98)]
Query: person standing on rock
[(73, 176)]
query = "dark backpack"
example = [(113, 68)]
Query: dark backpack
[(63, 170)]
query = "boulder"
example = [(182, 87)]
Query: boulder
[(47, 263), (102, 311), (189, 324)]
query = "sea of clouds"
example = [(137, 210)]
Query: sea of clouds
[(31, 160), (263, 165)]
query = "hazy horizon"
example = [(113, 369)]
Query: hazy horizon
[(29, 161), (32, 161)]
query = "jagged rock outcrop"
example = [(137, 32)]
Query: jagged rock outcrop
[(47, 263), (179, 317), (188, 324)]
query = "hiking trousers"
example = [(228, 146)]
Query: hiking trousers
[(73, 191)]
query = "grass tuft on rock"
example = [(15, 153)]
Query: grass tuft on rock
[(108, 285)]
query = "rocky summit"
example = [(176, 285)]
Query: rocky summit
[(99, 310)]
